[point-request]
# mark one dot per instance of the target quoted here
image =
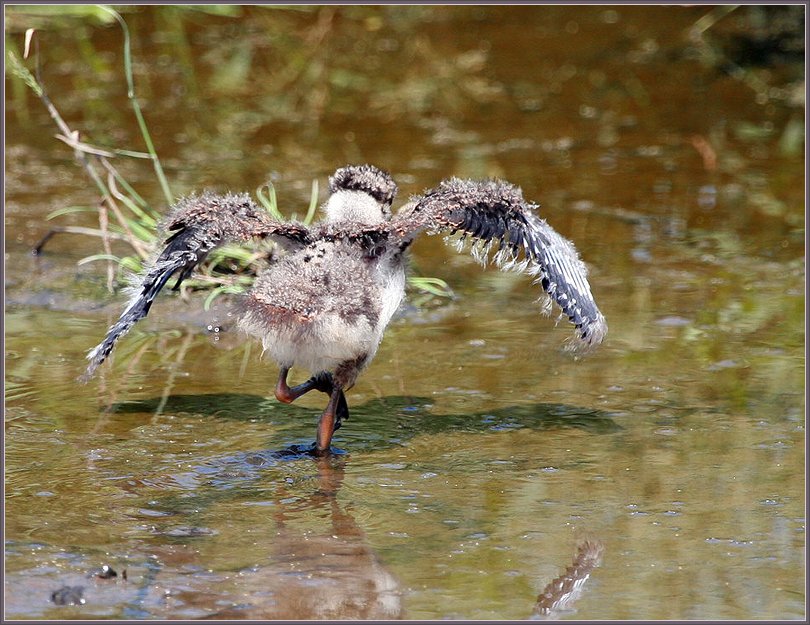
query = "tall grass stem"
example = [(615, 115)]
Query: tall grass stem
[(150, 147)]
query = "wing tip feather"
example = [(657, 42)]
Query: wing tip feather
[(588, 335)]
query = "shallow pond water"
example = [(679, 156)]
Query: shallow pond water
[(479, 454)]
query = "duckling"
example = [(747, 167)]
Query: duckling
[(325, 303)]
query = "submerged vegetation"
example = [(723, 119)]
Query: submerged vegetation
[(124, 215)]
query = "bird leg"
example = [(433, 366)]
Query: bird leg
[(336, 410), (288, 395), (330, 420)]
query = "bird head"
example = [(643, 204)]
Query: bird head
[(360, 194)]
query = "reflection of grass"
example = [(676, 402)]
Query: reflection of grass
[(125, 216), (763, 42)]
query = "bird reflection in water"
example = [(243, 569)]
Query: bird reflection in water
[(560, 593), (327, 573), (332, 574)]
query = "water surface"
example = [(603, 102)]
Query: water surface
[(479, 453)]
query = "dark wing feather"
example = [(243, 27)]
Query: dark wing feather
[(495, 214), (198, 225)]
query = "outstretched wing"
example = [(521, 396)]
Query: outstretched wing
[(495, 214), (198, 224)]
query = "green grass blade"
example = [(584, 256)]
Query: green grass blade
[(221, 290), (147, 235), (269, 201), (313, 203), (70, 210), (128, 188), (434, 286), (147, 137), (131, 263), (96, 257)]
